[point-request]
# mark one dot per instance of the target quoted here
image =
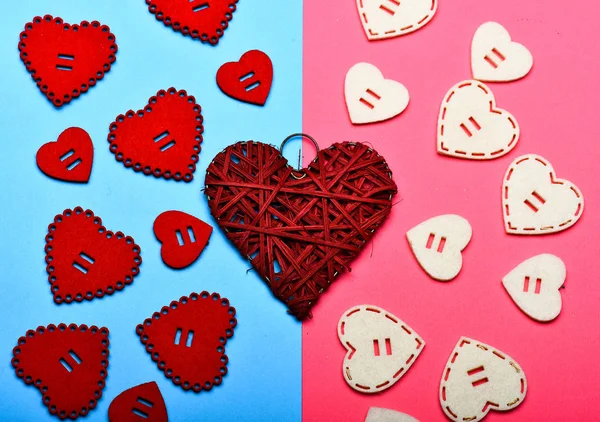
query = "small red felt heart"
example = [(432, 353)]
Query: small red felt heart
[(85, 260), (69, 158), (187, 339), (248, 80), (299, 229), (183, 238), (66, 60), (143, 401), (163, 139), (67, 364), (203, 19)]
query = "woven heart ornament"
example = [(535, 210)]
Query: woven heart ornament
[(299, 229), (66, 60)]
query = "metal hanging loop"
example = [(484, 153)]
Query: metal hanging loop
[(301, 135)]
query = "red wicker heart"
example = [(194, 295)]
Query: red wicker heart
[(299, 229)]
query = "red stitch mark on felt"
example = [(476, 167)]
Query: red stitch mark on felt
[(385, 9), (187, 340), (143, 401), (68, 364), (85, 260), (312, 222), (66, 60), (163, 139), (202, 19)]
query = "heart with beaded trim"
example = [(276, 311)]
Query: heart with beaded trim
[(299, 229), (202, 19), (66, 60)]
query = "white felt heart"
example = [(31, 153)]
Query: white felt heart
[(495, 58), (535, 201), (438, 243), (379, 414), (534, 286), (371, 98), (471, 126), (392, 18), (381, 348), (479, 378)]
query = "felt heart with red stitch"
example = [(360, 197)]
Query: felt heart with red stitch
[(67, 364), (187, 340), (163, 139), (299, 229), (85, 260), (66, 60), (203, 19)]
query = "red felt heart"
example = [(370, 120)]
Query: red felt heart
[(183, 237), (204, 19), (66, 60), (248, 80), (187, 339), (163, 139), (85, 260), (67, 364), (299, 229), (142, 402), (69, 158)]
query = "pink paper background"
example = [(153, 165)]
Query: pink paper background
[(556, 107)]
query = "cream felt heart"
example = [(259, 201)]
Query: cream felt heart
[(471, 126), (371, 98), (379, 414), (495, 57), (391, 18), (479, 378), (534, 286), (438, 243), (535, 201), (381, 348)]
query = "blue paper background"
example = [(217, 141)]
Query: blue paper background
[(264, 379)]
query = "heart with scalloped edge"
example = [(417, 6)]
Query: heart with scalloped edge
[(163, 139), (187, 340), (202, 19), (67, 364), (66, 60), (85, 260), (300, 229)]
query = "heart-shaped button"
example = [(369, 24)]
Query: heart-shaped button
[(299, 229), (471, 126), (183, 237), (495, 57), (438, 243), (143, 401), (534, 286), (202, 19), (372, 98), (479, 378), (163, 139), (535, 201), (85, 260), (381, 348), (66, 60), (67, 364), (69, 158), (379, 414), (187, 340), (391, 18), (248, 80)]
